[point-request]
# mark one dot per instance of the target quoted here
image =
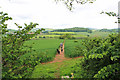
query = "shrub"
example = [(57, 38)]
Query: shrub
[(101, 59)]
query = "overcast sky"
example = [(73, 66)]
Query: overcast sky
[(48, 14)]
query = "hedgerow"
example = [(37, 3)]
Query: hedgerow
[(101, 59)]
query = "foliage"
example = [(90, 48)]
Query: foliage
[(61, 33), (50, 70), (43, 49), (66, 36), (113, 15), (108, 30), (101, 59), (75, 29), (73, 48), (45, 71), (12, 49), (70, 3)]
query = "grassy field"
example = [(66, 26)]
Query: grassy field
[(93, 34), (75, 34), (72, 48), (45, 49), (51, 70), (59, 33)]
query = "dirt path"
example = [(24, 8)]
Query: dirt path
[(59, 58)]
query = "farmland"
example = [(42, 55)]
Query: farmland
[(72, 48), (32, 51), (49, 70), (46, 48), (25, 55), (60, 33), (42, 48), (96, 34)]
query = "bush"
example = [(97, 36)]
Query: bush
[(44, 37), (101, 59), (12, 49), (66, 36)]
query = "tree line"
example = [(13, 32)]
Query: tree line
[(75, 29)]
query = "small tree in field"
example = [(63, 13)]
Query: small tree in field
[(67, 36)]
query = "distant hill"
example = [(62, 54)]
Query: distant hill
[(11, 30), (75, 29), (108, 30)]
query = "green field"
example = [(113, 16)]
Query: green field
[(45, 49), (75, 34), (60, 33), (93, 34), (50, 70), (72, 48)]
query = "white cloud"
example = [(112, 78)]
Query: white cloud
[(51, 15)]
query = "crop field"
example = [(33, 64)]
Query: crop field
[(62, 33), (47, 36), (72, 48), (75, 34), (43, 48), (80, 35), (93, 34)]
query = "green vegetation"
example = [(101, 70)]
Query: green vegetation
[(46, 36), (12, 49), (73, 48), (66, 36), (45, 71), (108, 30), (68, 67), (44, 48), (94, 34), (61, 33), (49, 70), (101, 59), (21, 54), (72, 35), (75, 29)]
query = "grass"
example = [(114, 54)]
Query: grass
[(46, 36), (93, 34), (75, 34), (68, 67), (45, 71), (61, 32), (73, 47), (44, 43), (50, 70), (44, 49)]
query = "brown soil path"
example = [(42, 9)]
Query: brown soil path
[(60, 57)]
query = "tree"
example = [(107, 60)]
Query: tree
[(12, 48), (70, 3), (67, 36)]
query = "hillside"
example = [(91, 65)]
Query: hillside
[(75, 29)]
